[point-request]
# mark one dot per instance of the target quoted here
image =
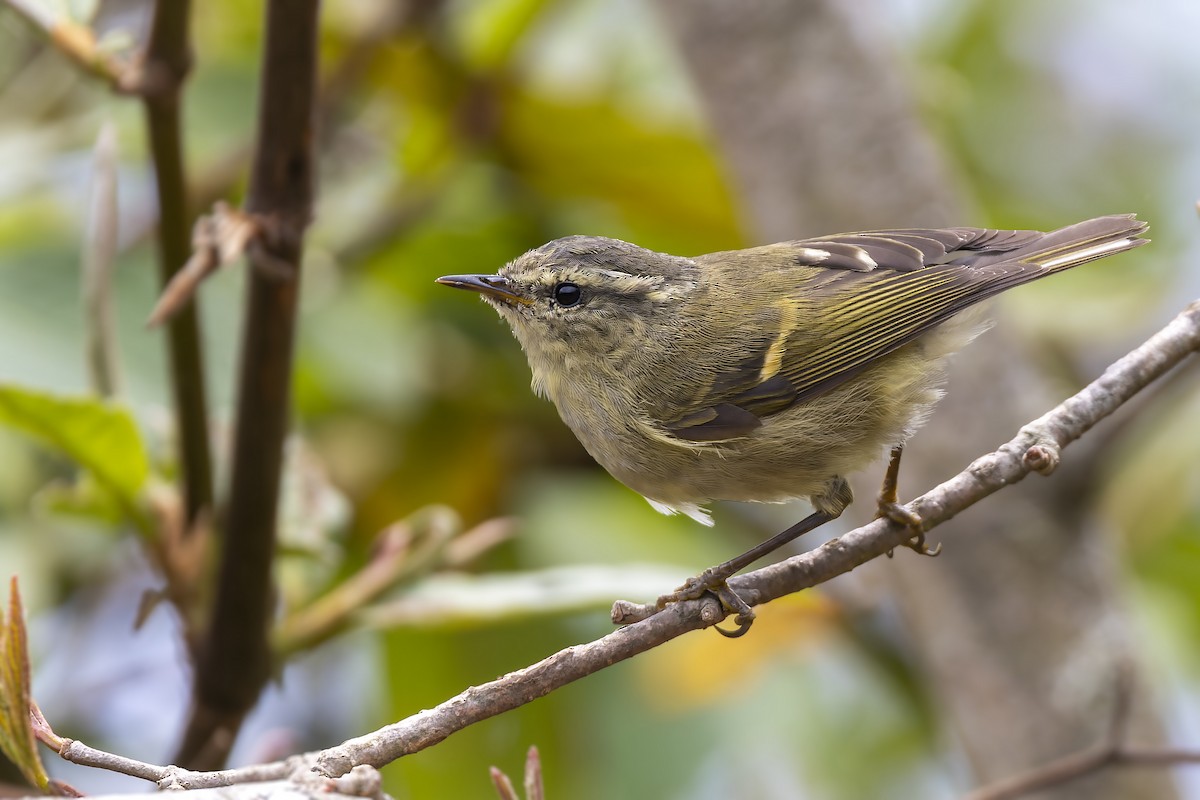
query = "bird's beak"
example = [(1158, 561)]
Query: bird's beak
[(493, 286)]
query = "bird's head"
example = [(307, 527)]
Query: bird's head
[(584, 297)]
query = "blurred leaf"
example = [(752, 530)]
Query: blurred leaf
[(585, 516), (490, 31), (662, 179), (81, 10), (1150, 491), (459, 600), (16, 734), (100, 436), (405, 550), (1168, 568), (699, 670), (84, 498)]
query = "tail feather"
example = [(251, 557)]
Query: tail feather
[(1083, 242)]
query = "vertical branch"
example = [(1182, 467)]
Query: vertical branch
[(234, 662), (167, 61)]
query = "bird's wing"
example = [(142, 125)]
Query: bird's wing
[(884, 289)]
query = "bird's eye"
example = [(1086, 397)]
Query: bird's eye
[(567, 294)]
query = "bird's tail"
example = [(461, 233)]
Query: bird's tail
[(1083, 242)]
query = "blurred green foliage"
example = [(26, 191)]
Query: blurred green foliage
[(453, 137)]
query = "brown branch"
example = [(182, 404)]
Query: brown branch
[(288, 778), (78, 43), (1037, 445), (1112, 751), (1078, 765), (235, 660), (218, 240), (168, 59)]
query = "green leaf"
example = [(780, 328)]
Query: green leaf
[(100, 436), (16, 734), (491, 31), (85, 499)]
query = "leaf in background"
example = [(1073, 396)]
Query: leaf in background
[(100, 436), (84, 498), (665, 180), (695, 671), (490, 32), (16, 735), (82, 11)]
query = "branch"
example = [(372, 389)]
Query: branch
[(289, 778), (234, 662), (167, 61), (78, 43), (1111, 752), (218, 240), (1036, 447)]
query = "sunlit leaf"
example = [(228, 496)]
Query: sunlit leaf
[(453, 600), (695, 671), (84, 499), (490, 31), (661, 178), (82, 10)]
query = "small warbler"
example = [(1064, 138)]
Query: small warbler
[(769, 373)]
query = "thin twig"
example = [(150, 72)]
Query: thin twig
[(406, 549), (218, 240), (1112, 751), (78, 43), (235, 660), (167, 62), (1077, 765)]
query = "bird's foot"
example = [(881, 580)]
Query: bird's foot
[(713, 581), (891, 510)]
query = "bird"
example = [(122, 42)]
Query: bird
[(770, 373)]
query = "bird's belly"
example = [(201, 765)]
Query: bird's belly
[(794, 454), (745, 470), (769, 466)]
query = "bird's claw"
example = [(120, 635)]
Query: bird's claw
[(909, 519), (711, 582), (734, 604), (692, 589), (918, 546)]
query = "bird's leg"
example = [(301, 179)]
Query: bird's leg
[(829, 505), (890, 508)]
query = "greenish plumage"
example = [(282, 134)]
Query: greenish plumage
[(769, 373)]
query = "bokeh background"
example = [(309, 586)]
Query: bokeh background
[(454, 136)]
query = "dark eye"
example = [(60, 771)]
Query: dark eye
[(567, 294)]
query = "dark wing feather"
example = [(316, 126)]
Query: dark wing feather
[(888, 288)]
